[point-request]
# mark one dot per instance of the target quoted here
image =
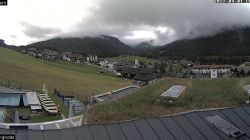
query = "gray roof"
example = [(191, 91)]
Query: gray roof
[(9, 90), (185, 126)]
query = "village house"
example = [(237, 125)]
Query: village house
[(146, 75), (34, 52), (126, 69), (103, 63), (128, 72), (65, 55), (49, 55), (108, 65), (213, 70), (92, 58), (76, 58), (140, 75)]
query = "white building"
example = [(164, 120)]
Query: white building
[(137, 62), (213, 73), (212, 70), (92, 58), (95, 58)]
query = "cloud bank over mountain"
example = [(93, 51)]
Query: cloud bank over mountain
[(132, 21)]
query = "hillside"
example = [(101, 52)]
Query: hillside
[(227, 43), (79, 80), (234, 42), (103, 46)]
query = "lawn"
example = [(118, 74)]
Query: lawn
[(199, 94)]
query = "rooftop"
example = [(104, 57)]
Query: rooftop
[(9, 90), (32, 98), (188, 126)]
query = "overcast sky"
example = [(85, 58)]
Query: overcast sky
[(132, 21)]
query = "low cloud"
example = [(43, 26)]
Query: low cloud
[(183, 19), (38, 32), (134, 21)]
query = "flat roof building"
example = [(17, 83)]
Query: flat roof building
[(17, 98), (12, 97)]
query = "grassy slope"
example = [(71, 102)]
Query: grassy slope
[(200, 94), (78, 79), (68, 78)]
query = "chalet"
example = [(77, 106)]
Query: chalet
[(140, 75), (76, 58), (118, 71), (65, 55), (146, 75), (213, 70), (129, 72)]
